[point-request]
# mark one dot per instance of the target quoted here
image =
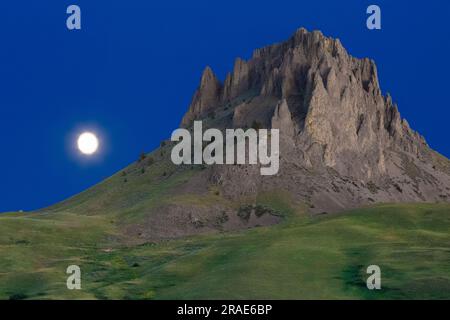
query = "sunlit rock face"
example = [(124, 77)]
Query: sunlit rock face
[(343, 143)]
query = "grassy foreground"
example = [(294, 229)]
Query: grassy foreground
[(302, 258)]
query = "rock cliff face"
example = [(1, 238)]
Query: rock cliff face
[(206, 98), (343, 144)]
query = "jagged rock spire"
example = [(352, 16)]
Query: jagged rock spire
[(329, 102), (206, 98)]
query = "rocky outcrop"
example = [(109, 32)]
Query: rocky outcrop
[(206, 98), (334, 121), (236, 82), (282, 120)]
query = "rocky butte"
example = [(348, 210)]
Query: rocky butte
[(342, 143)]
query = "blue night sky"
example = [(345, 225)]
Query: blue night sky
[(130, 73)]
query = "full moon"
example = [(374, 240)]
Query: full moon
[(87, 143)]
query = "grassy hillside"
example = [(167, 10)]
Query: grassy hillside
[(302, 258)]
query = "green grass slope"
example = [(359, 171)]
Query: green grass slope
[(302, 258)]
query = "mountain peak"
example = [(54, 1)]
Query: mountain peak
[(208, 77), (205, 98), (332, 115)]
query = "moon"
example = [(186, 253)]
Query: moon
[(88, 143)]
